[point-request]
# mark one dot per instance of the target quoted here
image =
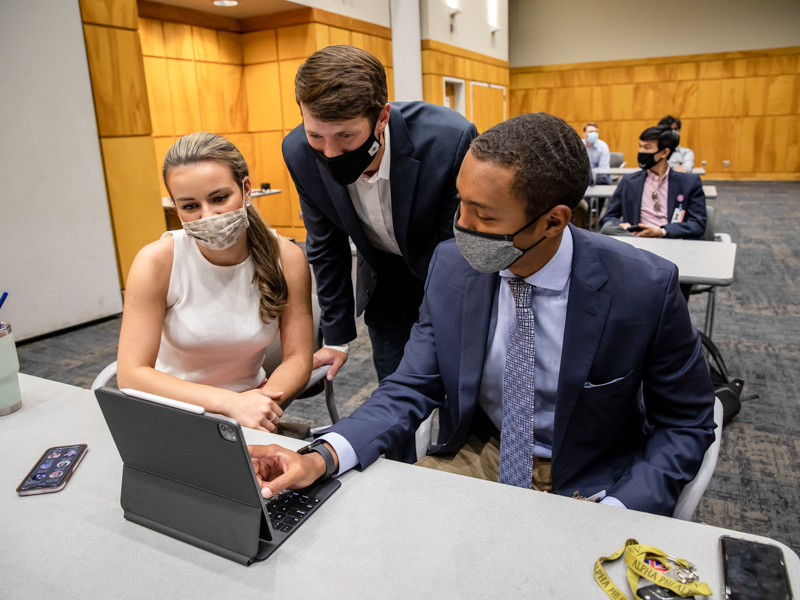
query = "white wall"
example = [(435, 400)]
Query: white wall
[(406, 50), (57, 257), (371, 11), (544, 32), (471, 29)]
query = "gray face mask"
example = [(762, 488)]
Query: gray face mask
[(490, 252)]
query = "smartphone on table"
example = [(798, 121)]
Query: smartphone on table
[(635, 228), (53, 470), (753, 570)]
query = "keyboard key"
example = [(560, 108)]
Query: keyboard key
[(277, 517), (285, 528), (297, 513)]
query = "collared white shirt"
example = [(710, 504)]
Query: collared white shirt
[(549, 303), (372, 199), (682, 157)]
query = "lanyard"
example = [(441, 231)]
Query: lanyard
[(635, 554)]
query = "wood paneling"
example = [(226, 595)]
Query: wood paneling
[(115, 13), (118, 81), (298, 41), (151, 35), (230, 47), (205, 44), (133, 194), (178, 41), (291, 112), (313, 15), (179, 14), (487, 107), (263, 97), (234, 98), (162, 145), (185, 102), (159, 96), (741, 107), (210, 96), (339, 36), (259, 47), (270, 168)]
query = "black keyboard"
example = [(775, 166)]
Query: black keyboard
[(289, 509)]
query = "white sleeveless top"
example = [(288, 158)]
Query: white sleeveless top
[(212, 333)]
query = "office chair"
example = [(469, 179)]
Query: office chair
[(694, 490), (317, 382), (617, 159)]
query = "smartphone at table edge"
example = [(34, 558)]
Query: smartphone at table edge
[(53, 470), (753, 570), (635, 228)]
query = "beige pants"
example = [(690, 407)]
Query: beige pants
[(480, 458)]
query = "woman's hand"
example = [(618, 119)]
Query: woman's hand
[(256, 409)]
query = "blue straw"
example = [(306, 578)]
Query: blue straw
[(3, 298)]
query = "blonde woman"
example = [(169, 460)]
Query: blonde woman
[(203, 303)]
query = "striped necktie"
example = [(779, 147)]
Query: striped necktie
[(516, 437)]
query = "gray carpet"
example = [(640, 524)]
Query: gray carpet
[(756, 487)]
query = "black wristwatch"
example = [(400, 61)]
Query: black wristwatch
[(319, 447)]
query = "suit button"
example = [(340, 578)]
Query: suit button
[(372, 275), (367, 294)]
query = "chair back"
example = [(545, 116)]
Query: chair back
[(273, 356), (694, 490), (709, 234), (617, 159)]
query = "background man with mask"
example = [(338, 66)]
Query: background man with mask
[(599, 154), (520, 296), (382, 174), (657, 201)]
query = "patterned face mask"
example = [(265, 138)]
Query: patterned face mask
[(219, 232)]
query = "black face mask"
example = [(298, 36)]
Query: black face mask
[(348, 167), (647, 160)]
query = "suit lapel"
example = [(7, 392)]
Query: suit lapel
[(403, 174), (636, 208), (476, 313), (340, 198), (587, 310), (672, 195)]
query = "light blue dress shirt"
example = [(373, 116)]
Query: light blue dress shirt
[(599, 157), (549, 302)]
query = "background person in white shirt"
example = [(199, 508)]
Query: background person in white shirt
[(682, 159), (599, 154)]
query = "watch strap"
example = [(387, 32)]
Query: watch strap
[(318, 446)]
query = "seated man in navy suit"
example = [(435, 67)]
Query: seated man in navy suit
[(657, 201), (381, 174), (622, 406)]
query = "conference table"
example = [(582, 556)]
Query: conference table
[(391, 531)]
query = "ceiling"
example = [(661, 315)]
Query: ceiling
[(246, 8)]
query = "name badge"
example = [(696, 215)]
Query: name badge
[(678, 215)]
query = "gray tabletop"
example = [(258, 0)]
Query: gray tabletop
[(393, 531), (699, 261), (631, 170), (606, 191)]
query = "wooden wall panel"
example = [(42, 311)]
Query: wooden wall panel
[(159, 96), (339, 36), (118, 81), (298, 41), (185, 101), (210, 96), (178, 42), (291, 112), (151, 35), (263, 97), (259, 46), (742, 107), (230, 48), (115, 13), (234, 98), (205, 44), (162, 145), (133, 194), (275, 209)]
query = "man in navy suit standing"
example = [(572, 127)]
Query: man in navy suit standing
[(383, 175), (657, 201), (560, 360)]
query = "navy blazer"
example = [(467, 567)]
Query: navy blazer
[(428, 143), (626, 203), (627, 329)]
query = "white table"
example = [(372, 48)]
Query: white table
[(606, 191), (622, 171), (393, 531)]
